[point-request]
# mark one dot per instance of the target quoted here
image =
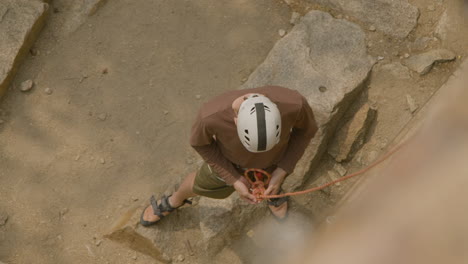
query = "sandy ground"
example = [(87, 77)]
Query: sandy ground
[(66, 174), (125, 87)]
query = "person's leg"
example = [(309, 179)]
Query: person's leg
[(280, 211), (205, 182), (279, 206), (177, 198), (184, 191)]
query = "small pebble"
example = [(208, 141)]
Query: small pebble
[(98, 243), (282, 32), (340, 169), (380, 58), (406, 55), (135, 199), (294, 18), (102, 161), (105, 71), (26, 85), (77, 157), (1, 121), (331, 219), (180, 258), (64, 211), (48, 91), (372, 28), (165, 112), (250, 233), (198, 96), (102, 116)]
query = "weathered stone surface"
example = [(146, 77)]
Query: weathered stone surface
[(333, 175), (326, 60), (397, 70), (421, 44), (411, 103), (20, 23), (79, 13), (214, 214), (351, 135), (127, 231), (422, 63), (295, 17), (209, 226), (340, 169), (396, 18), (442, 27), (216, 220)]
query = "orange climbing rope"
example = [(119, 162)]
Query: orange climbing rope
[(259, 179)]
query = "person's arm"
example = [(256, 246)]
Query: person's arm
[(202, 140), (302, 132)]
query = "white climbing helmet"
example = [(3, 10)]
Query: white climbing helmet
[(258, 123)]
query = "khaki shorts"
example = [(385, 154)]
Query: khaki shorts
[(208, 183)]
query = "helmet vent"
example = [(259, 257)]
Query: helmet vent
[(246, 131), (248, 139)]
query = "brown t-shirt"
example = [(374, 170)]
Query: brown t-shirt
[(214, 133)]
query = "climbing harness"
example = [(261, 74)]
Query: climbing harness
[(259, 179)]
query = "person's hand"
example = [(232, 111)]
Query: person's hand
[(277, 178), (241, 187)]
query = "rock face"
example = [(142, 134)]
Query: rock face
[(422, 63), (209, 226), (223, 220), (396, 18), (20, 23), (351, 136), (79, 13), (397, 70), (326, 60)]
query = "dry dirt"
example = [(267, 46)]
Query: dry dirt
[(125, 87)]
